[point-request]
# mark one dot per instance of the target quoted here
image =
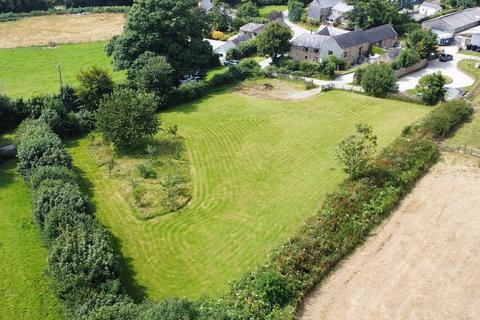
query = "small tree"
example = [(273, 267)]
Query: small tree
[(95, 83), (247, 10), (432, 88), (275, 40), (127, 116), (356, 151), (295, 10), (379, 80), (157, 76), (423, 41), (406, 58)]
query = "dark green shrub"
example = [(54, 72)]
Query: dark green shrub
[(69, 99), (95, 84), (444, 118), (157, 76), (42, 149), (379, 80), (127, 117), (57, 193), (121, 310), (244, 49), (406, 58), (63, 217), (170, 309), (274, 288), (82, 262), (43, 173), (52, 119), (11, 113), (295, 10), (146, 171)]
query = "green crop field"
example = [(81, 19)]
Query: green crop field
[(33, 70), (24, 285), (259, 168)]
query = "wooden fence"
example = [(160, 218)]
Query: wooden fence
[(462, 149)]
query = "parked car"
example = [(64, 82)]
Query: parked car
[(187, 78), (229, 63), (445, 57)]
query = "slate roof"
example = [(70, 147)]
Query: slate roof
[(324, 3), (380, 33), (331, 31), (240, 38), (205, 4), (342, 7), (455, 22), (310, 40), (251, 27), (351, 39), (431, 5)]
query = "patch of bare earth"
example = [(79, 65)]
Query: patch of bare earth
[(423, 263), (275, 89), (43, 30)]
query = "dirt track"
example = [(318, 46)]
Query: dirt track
[(423, 263)]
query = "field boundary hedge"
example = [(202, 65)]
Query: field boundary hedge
[(345, 219)]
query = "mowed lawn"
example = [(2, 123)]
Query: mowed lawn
[(24, 285), (264, 11), (260, 168), (29, 71)]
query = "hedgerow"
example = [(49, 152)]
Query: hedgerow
[(345, 218)]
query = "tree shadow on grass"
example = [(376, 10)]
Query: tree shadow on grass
[(127, 272), (7, 172)]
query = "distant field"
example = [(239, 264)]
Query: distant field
[(260, 166), (264, 11), (40, 31), (29, 71), (24, 286)]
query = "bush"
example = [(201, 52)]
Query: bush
[(406, 58), (95, 83), (57, 193), (156, 76), (273, 287), (43, 173), (11, 113), (295, 10), (42, 148), (432, 88), (82, 261), (170, 309), (379, 80), (127, 117), (244, 49), (444, 118), (146, 171)]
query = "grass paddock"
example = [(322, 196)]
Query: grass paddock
[(32, 71), (259, 168)]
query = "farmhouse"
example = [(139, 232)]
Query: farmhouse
[(448, 26), (350, 46), (382, 36), (252, 29), (328, 10)]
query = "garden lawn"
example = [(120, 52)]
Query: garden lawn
[(469, 133), (259, 169), (264, 11), (24, 285), (29, 71)]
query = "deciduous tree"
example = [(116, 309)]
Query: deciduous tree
[(275, 40)]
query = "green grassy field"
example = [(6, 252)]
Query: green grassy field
[(264, 11), (469, 133), (29, 71), (259, 168), (24, 285)]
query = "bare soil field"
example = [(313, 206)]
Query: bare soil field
[(40, 31), (423, 263)]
